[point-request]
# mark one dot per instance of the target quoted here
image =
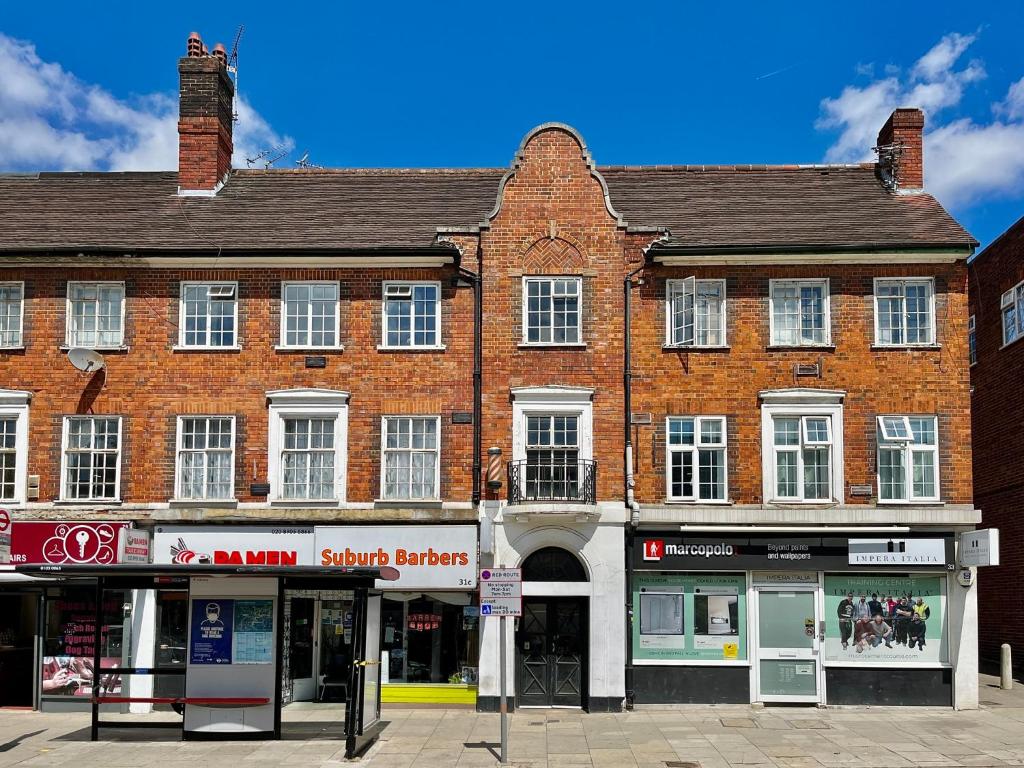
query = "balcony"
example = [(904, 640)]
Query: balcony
[(571, 481)]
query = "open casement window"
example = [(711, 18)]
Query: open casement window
[(412, 315), (1011, 306), (799, 313), (696, 313), (904, 312), (696, 458), (803, 458), (209, 315), (908, 458)]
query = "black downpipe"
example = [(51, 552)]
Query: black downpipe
[(474, 278), (627, 381)]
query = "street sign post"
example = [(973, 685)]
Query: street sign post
[(501, 595)]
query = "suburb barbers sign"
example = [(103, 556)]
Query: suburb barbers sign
[(426, 556), (675, 552)]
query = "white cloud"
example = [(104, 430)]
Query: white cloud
[(52, 120), (965, 160)]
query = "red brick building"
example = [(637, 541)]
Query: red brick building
[(687, 401), (997, 323)]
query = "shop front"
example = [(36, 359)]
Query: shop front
[(46, 632), (823, 619), (429, 618)]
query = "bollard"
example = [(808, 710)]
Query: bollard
[(1005, 667)]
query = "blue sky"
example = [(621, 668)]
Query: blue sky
[(458, 84)]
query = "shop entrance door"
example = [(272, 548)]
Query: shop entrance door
[(551, 642), (787, 645), (302, 648)]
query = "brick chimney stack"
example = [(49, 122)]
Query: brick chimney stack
[(900, 154), (205, 119)]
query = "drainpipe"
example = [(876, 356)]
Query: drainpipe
[(476, 281), (631, 502)]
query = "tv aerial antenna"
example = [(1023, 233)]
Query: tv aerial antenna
[(86, 360), (268, 156), (232, 64), (303, 162)]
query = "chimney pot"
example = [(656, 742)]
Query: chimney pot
[(220, 53), (900, 144), (194, 46)]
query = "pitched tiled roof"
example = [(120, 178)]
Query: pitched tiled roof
[(704, 208)]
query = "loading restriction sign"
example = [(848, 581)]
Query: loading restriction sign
[(501, 592)]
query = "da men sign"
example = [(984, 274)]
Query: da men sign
[(233, 545)]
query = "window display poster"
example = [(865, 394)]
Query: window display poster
[(689, 617), (67, 669), (212, 621), (75, 676), (253, 632), (878, 620)]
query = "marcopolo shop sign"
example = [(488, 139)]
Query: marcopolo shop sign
[(667, 551)]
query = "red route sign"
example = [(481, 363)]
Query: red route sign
[(5, 520)]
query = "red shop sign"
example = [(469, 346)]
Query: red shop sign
[(64, 542)]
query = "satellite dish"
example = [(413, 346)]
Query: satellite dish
[(87, 360)]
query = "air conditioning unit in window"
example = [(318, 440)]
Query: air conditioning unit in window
[(398, 291), (222, 291)]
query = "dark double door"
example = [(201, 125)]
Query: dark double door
[(551, 643)]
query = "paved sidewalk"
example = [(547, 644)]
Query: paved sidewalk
[(679, 737)]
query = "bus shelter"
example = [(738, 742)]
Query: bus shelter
[(235, 649)]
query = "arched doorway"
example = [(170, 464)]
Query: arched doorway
[(552, 638)]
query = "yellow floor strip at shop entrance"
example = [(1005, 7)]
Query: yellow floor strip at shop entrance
[(438, 693)]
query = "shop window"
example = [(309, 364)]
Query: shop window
[(904, 312), (695, 313), (95, 315), (431, 638), (69, 634), (689, 617), (171, 652), (908, 458), (553, 564), (904, 624), (92, 458), (696, 458), (799, 313)]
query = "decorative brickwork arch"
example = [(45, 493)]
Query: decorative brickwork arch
[(553, 256)]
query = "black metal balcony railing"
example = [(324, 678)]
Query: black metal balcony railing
[(569, 481)]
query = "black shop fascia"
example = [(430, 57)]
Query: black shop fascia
[(665, 551)]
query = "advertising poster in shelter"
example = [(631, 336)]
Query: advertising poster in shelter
[(212, 624), (873, 620), (254, 632)]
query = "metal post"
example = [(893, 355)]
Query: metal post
[(503, 707), (1005, 667), (97, 635)]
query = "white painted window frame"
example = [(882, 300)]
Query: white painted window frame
[(527, 279), (282, 342), (694, 450), (677, 287), (909, 448), (20, 285), (825, 284), (930, 281), (307, 403), (179, 449), (1012, 299), (439, 344), (181, 315), (553, 401), (384, 450), (972, 340), (65, 450), (15, 403), (798, 403), (68, 341)]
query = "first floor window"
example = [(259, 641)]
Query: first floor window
[(972, 340), (92, 458), (552, 457), (552, 310), (903, 310), (802, 447), (800, 314), (8, 457), (1012, 306), (412, 314), (410, 457), (908, 458), (209, 314), (696, 312), (205, 457), (309, 316), (95, 314), (12, 296), (696, 458), (307, 458)]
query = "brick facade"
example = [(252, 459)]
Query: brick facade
[(997, 412)]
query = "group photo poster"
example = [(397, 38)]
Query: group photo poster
[(874, 620), (689, 617)]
